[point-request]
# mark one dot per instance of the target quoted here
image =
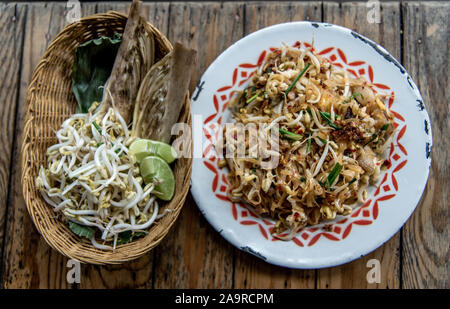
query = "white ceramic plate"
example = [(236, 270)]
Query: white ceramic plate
[(389, 204)]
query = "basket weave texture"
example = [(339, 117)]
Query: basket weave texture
[(49, 102)]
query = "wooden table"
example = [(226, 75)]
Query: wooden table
[(193, 255)]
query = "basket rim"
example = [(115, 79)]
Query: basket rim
[(27, 180)]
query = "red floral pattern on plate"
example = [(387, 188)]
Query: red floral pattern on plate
[(342, 227)]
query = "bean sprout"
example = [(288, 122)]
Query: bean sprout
[(94, 181)]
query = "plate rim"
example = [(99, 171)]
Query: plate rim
[(421, 187)]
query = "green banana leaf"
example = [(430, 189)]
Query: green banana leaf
[(92, 67)]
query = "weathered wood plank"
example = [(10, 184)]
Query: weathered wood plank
[(193, 255), (104, 7), (12, 21), (386, 33), (138, 273), (263, 14), (29, 261), (251, 272), (426, 234)]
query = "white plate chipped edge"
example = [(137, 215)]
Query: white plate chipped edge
[(225, 226)]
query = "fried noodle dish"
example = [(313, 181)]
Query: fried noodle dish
[(333, 133)]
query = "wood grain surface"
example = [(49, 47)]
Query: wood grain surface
[(193, 255), (12, 22), (425, 255)]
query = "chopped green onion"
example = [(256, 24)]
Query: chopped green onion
[(326, 114), (334, 174), (244, 94), (351, 181), (297, 78), (322, 140), (374, 136), (327, 117), (251, 99), (97, 127), (309, 143), (290, 135), (352, 97), (302, 179), (355, 94), (385, 127)]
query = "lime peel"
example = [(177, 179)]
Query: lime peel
[(154, 168), (142, 148)]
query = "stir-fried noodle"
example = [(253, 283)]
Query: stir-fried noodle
[(333, 129)]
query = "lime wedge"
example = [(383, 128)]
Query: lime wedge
[(156, 170), (142, 148)]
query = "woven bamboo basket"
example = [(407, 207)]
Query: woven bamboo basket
[(49, 102)]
